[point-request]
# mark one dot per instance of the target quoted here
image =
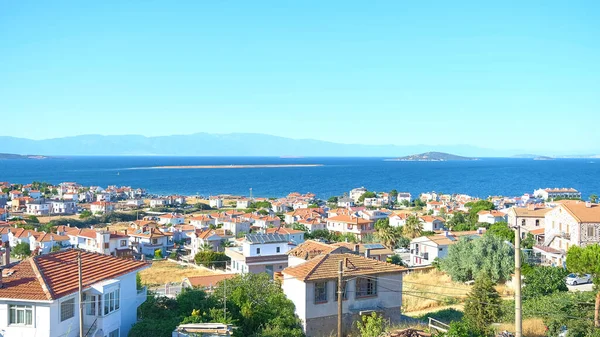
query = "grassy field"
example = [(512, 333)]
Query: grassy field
[(532, 327), (430, 290), (163, 272)]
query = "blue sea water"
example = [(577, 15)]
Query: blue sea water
[(488, 176)]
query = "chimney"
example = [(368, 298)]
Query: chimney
[(6, 256), (588, 204), (356, 248), (368, 253), (125, 231)]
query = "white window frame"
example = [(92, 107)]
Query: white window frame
[(24, 308), (111, 302)]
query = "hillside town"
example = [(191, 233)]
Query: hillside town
[(375, 242)]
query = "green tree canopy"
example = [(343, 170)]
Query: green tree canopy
[(476, 207), (332, 200), (489, 255), (586, 260), (413, 228), (542, 280), (260, 204), (482, 306), (22, 250), (393, 193), (502, 231), (367, 194), (210, 259)]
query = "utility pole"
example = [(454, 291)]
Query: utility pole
[(518, 317), (80, 281), (340, 298)]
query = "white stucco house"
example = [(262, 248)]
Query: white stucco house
[(259, 253), (171, 219), (425, 249), (39, 295), (491, 217), (372, 286)]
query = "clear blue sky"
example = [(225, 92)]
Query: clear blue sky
[(512, 75)]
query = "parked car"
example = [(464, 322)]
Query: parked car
[(402, 250), (574, 279)]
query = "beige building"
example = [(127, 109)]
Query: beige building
[(571, 223), (531, 218)]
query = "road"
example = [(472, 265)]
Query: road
[(581, 287)]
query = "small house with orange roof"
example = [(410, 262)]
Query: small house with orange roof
[(313, 224), (368, 286), (350, 224), (398, 219), (171, 219), (146, 241), (207, 237), (491, 216), (39, 295), (425, 249), (432, 223), (102, 207), (202, 221), (45, 242)]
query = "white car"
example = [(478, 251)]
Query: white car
[(401, 250), (574, 279)]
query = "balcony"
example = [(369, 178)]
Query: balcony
[(565, 235)]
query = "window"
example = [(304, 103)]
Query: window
[(366, 287), (154, 241), (257, 250), (278, 249), (21, 314), (112, 301), (67, 309), (106, 245), (591, 231), (523, 222), (320, 292), (90, 305), (345, 285), (123, 243), (537, 223), (114, 333)]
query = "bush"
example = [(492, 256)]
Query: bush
[(158, 254), (541, 281), (212, 259), (370, 326)]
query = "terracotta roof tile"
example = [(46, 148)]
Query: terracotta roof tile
[(581, 212), (310, 249), (325, 267), (207, 281), (54, 275)]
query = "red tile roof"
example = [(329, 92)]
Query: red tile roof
[(207, 281), (52, 276)]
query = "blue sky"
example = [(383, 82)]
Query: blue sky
[(510, 75)]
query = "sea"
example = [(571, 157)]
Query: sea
[(334, 176)]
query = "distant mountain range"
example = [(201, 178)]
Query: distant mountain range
[(433, 156), (234, 144)]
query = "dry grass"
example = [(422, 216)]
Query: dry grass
[(162, 272), (532, 327), (47, 219), (431, 289), (505, 291)]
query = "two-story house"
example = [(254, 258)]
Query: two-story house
[(102, 207), (215, 201), (259, 253), (431, 223), (146, 241), (369, 286), (63, 207), (39, 296), (45, 242), (425, 249), (491, 217), (570, 223), (38, 207), (350, 224), (528, 218), (398, 219), (236, 225), (212, 238)]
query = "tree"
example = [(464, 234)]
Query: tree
[(365, 195), (299, 227), (332, 200), (202, 206), (413, 227), (85, 214), (394, 193), (462, 329), (55, 248), (138, 281), (442, 213), (405, 203), (528, 242), (32, 219), (370, 326), (212, 259), (594, 198), (158, 254), (382, 223), (206, 247), (476, 207), (263, 212), (388, 236), (258, 304), (482, 306), (260, 204), (395, 259), (22, 250), (502, 231), (542, 280), (457, 219), (489, 255), (585, 261)]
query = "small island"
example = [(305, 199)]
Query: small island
[(543, 158), (21, 156), (433, 156)]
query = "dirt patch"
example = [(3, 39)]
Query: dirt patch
[(431, 289)]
